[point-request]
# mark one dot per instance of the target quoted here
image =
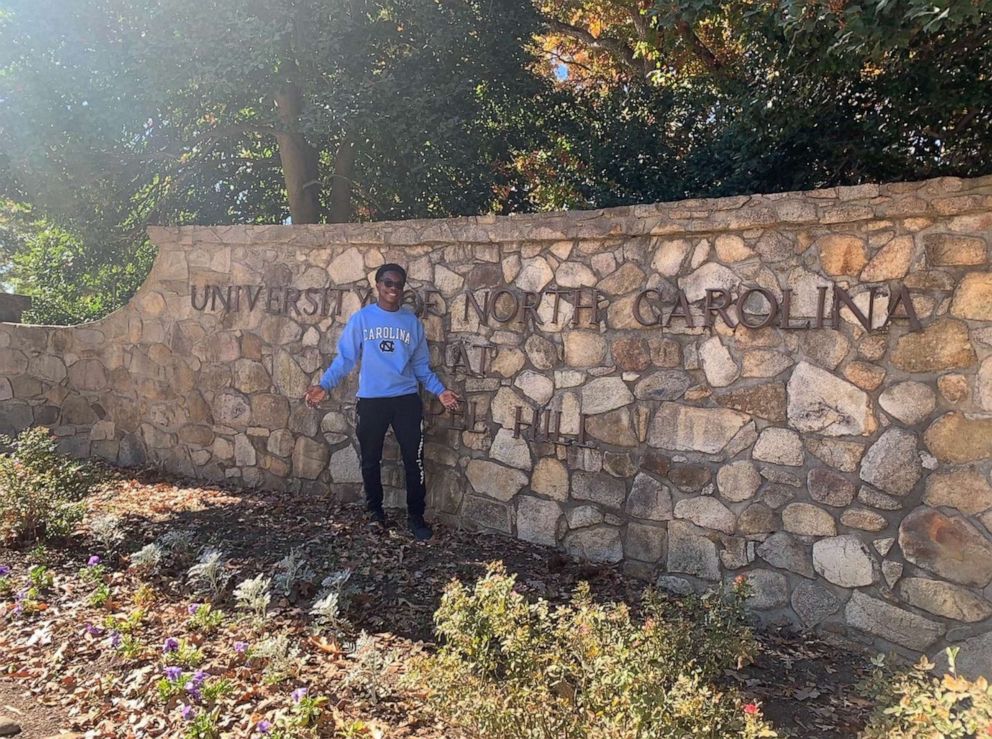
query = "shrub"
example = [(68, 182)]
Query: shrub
[(915, 703), (39, 489), (509, 668)]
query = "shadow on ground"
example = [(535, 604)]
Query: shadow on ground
[(807, 687)]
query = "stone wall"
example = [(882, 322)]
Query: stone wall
[(844, 470)]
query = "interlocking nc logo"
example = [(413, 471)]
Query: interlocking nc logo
[(387, 346)]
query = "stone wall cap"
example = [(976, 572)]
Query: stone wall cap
[(834, 205)]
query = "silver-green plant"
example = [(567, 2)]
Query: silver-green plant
[(148, 558), (327, 608), (280, 656), (107, 530), (209, 575), (369, 668), (177, 545), (292, 570), (254, 595)]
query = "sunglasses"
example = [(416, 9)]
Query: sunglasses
[(393, 283)]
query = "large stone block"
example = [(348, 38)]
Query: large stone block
[(309, 458), (941, 346), (764, 401), (649, 499), (487, 513), (494, 480), (768, 590), (738, 481), (842, 455), (973, 297), (615, 428), (785, 551), (822, 403), (842, 254), (892, 463), (844, 560), (965, 489), (908, 402), (550, 478), (813, 603), (603, 489), (706, 512), (605, 394), (959, 438), (511, 451), (891, 623), (952, 250), (944, 599), (719, 367), (664, 385), (808, 520), (685, 428), (537, 520), (596, 543), (949, 547), (690, 553), (829, 487), (644, 543), (779, 446)]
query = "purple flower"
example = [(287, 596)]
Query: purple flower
[(173, 673), (194, 690), (299, 694), (94, 560), (187, 712), (171, 645), (240, 647), (199, 676), (116, 640), (193, 608), (264, 727), (93, 630), (4, 570)]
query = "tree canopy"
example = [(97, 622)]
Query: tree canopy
[(119, 113)]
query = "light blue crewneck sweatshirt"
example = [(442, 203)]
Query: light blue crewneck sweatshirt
[(393, 351)]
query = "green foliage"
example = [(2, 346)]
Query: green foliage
[(40, 490), (204, 725), (206, 619), (914, 703), (509, 668)]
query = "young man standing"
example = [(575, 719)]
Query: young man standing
[(391, 344)]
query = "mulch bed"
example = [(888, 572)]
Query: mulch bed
[(806, 686)]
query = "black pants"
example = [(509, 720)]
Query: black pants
[(405, 414)]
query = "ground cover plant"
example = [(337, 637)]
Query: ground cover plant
[(121, 642)]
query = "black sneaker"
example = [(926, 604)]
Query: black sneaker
[(377, 516), (421, 531)]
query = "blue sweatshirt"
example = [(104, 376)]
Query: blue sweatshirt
[(393, 350)]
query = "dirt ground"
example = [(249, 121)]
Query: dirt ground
[(806, 686)]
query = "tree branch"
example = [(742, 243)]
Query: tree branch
[(619, 50), (700, 49)]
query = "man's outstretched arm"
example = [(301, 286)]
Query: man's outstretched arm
[(349, 349)]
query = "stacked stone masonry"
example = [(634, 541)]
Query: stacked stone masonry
[(845, 472)]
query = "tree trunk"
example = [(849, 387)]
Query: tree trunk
[(300, 165), (344, 165)]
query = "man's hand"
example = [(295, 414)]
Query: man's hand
[(449, 399), (314, 395)]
